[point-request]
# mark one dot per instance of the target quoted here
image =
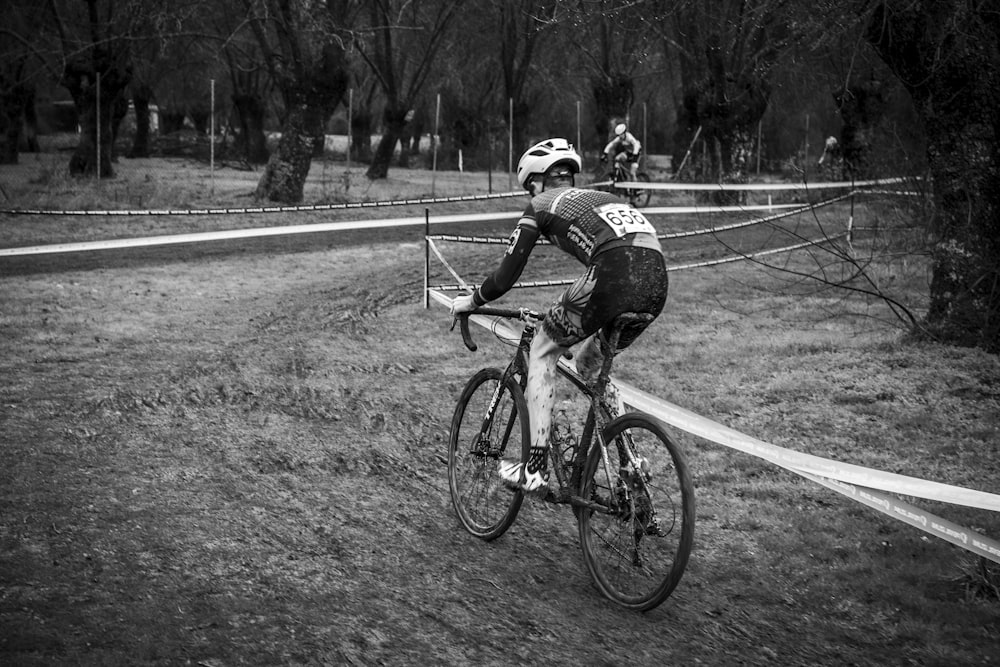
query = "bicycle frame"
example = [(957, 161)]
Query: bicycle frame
[(625, 479), (598, 415)]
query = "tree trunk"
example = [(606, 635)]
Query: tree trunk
[(861, 106), (12, 105), (284, 177), (310, 99), (393, 128), (948, 57), (29, 142), (80, 79), (361, 136), (118, 112), (612, 98), (140, 102), (171, 120), (252, 140), (409, 141)]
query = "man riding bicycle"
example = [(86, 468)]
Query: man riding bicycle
[(625, 148), (625, 272)]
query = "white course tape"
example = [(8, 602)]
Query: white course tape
[(198, 237), (919, 518), (761, 187), (844, 472), (865, 485), (260, 232)]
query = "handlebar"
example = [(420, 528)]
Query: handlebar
[(523, 314)]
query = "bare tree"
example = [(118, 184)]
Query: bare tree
[(305, 47), (947, 54), (522, 26), (250, 83), (405, 38), (22, 66), (726, 52), (614, 42), (97, 71)]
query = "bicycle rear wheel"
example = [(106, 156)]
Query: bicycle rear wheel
[(637, 544), (484, 505)]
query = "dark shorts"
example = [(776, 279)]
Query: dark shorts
[(621, 280)]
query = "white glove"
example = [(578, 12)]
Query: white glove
[(463, 304)]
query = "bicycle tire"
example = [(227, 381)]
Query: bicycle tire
[(637, 551), (639, 197), (485, 507)]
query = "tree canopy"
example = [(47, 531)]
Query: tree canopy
[(740, 74)]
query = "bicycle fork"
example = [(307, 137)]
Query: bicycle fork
[(482, 444)]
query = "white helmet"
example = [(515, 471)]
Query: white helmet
[(620, 129), (543, 156)]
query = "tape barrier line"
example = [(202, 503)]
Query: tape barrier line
[(301, 208), (761, 187), (916, 517), (755, 255), (684, 210), (228, 235), (703, 427), (755, 221), (260, 232), (453, 272), (681, 267), (865, 485), (485, 240)]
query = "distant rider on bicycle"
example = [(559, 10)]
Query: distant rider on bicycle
[(625, 272), (625, 147)]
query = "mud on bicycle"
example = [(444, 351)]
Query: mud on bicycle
[(624, 477)]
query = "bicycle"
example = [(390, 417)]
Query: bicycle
[(626, 480), (620, 173)]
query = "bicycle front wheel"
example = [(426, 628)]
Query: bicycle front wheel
[(637, 539), (639, 197), (490, 421)]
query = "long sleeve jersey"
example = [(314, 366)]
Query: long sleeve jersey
[(581, 222)]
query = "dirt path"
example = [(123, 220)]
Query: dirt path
[(239, 460)]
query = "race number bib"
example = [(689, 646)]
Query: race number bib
[(624, 219)]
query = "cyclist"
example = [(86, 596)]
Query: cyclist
[(625, 271), (625, 147)]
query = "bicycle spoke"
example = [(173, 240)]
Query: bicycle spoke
[(638, 552), (479, 438)]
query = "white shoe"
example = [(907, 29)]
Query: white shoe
[(515, 475)]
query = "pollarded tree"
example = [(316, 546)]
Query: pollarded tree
[(305, 45), (523, 25), (96, 70), (403, 41), (615, 43), (947, 54), (726, 51), (23, 63)]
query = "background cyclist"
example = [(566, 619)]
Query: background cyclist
[(625, 271), (625, 147)]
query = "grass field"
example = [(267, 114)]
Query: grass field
[(233, 454)]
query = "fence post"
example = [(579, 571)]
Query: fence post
[(510, 142), (427, 258), (98, 134), (645, 135), (579, 140), (437, 120), (211, 139)]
